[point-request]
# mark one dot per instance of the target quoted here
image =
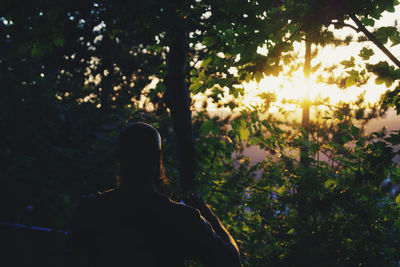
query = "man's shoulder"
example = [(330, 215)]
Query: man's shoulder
[(174, 210), (188, 215), (90, 204), (181, 206)]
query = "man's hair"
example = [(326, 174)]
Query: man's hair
[(139, 154)]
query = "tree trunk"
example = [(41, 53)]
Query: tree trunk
[(178, 102), (305, 120)]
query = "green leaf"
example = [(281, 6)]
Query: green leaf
[(395, 39), (366, 53), (316, 67), (385, 73), (234, 91), (258, 76), (243, 134), (217, 93), (291, 231), (209, 126), (197, 87), (350, 81), (390, 8), (243, 131), (354, 130), (379, 81), (346, 138), (253, 141), (281, 190), (394, 139), (392, 99), (330, 184), (388, 82), (368, 21), (206, 61), (383, 33), (59, 41), (209, 41), (348, 63), (37, 51), (398, 199)]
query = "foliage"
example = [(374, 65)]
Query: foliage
[(277, 27), (73, 73), (332, 212)]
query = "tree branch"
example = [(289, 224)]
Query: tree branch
[(372, 38), (346, 25)]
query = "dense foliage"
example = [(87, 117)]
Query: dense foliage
[(333, 212), (73, 73)]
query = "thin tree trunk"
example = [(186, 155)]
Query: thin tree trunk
[(178, 102), (305, 120)]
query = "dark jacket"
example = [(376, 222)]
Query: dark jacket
[(113, 229)]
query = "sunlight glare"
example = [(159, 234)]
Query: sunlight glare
[(291, 92)]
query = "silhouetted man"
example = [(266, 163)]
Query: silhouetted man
[(134, 225)]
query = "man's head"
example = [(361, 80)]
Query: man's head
[(139, 154)]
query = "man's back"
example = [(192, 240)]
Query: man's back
[(114, 229)]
